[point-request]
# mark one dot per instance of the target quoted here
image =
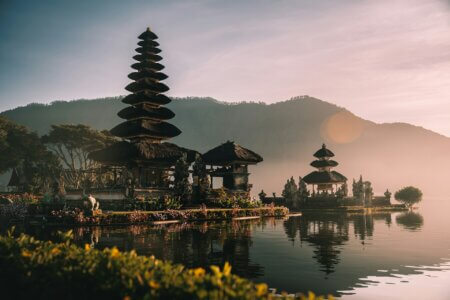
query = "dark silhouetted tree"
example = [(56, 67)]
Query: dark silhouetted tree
[(23, 150), (182, 187), (201, 180), (409, 195), (290, 192)]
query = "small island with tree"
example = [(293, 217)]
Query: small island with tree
[(409, 196)]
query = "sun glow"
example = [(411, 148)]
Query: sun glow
[(342, 128)]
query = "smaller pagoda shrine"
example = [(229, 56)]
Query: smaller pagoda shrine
[(230, 161), (324, 180)]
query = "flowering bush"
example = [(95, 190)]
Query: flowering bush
[(74, 216), (137, 217)]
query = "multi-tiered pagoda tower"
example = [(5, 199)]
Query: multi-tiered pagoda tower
[(146, 117), (142, 150), (324, 178)]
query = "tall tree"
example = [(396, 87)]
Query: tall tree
[(302, 192), (182, 187), (290, 192), (72, 144), (201, 179)]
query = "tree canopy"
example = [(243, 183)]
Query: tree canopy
[(409, 195), (72, 144), (23, 150)]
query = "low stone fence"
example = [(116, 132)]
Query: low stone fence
[(381, 201), (77, 218)]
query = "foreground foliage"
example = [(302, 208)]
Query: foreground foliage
[(62, 270)]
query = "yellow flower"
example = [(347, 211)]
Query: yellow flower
[(114, 252), (261, 289), (26, 253), (226, 269), (87, 247), (153, 284), (199, 272), (55, 251), (216, 271), (312, 296)]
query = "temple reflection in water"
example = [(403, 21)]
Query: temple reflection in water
[(327, 233), (214, 243)]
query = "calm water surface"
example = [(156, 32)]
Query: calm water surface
[(393, 255)]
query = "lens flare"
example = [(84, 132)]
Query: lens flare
[(342, 128)]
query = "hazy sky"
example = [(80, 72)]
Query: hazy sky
[(384, 60)]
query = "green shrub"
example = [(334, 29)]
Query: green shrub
[(409, 195), (64, 271), (220, 198)]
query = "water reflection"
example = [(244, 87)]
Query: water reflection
[(193, 244), (327, 233), (410, 221), (327, 252)]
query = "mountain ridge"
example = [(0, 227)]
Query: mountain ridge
[(285, 133)]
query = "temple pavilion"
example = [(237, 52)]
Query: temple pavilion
[(230, 162), (143, 151), (324, 179)]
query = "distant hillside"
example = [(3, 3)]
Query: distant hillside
[(286, 134)]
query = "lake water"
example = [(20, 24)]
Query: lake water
[(379, 256)]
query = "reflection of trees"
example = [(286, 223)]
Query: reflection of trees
[(194, 245), (410, 220), (363, 225), (327, 233)]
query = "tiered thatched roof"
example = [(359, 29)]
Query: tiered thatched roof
[(324, 163), (230, 152), (323, 152), (324, 174), (141, 152), (318, 177), (145, 118)]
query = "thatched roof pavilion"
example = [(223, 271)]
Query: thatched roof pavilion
[(324, 177), (141, 153), (230, 162), (230, 152)]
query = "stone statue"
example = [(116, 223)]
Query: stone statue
[(91, 204)]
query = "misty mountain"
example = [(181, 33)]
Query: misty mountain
[(286, 134)]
